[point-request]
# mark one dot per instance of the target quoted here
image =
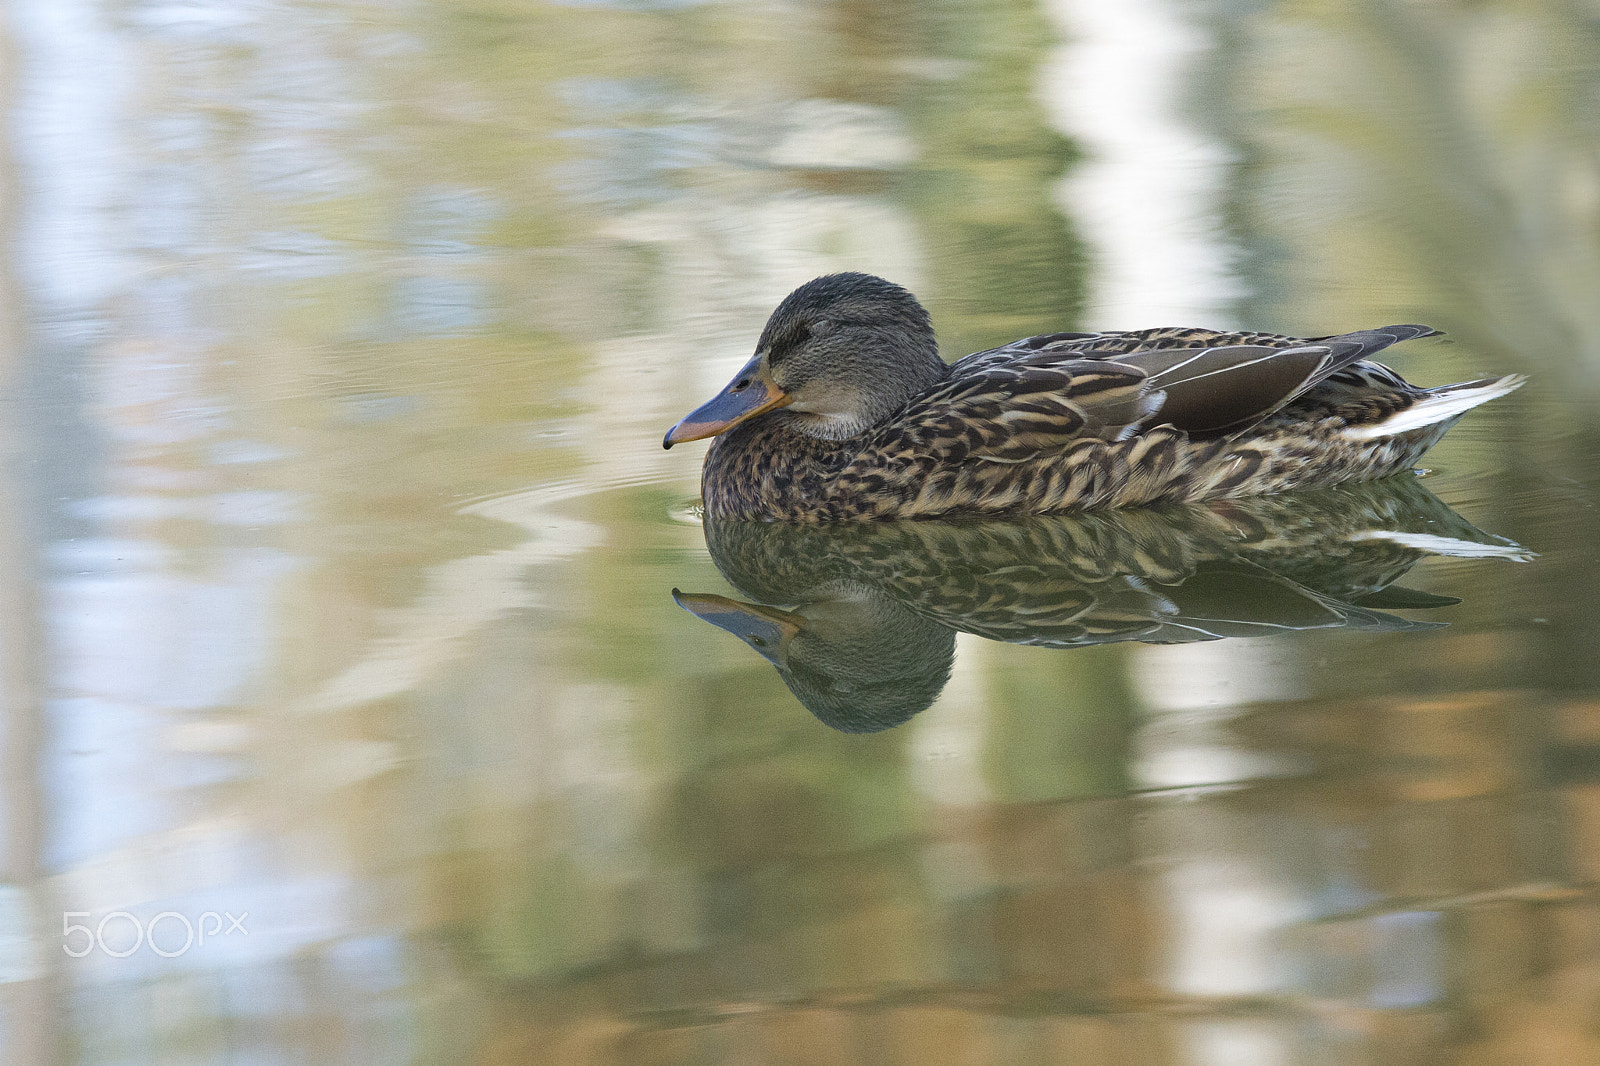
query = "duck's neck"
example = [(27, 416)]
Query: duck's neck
[(767, 468)]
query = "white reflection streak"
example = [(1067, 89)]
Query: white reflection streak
[(66, 126), (948, 739), (1148, 198), (461, 596), (1226, 903), (1194, 689)]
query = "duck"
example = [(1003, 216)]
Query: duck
[(860, 619), (846, 412)]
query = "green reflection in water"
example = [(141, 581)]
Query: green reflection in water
[(397, 263)]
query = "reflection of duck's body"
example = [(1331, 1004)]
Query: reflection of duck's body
[(867, 632), (846, 411)]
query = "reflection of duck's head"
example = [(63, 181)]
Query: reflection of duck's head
[(855, 658)]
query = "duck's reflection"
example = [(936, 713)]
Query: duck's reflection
[(860, 619)]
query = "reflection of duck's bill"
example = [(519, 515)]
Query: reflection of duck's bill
[(766, 629)]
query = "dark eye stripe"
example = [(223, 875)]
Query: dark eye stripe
[(787, 343)]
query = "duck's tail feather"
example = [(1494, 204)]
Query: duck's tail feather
[(1347, 348), (1375, 340), (1443, 404)]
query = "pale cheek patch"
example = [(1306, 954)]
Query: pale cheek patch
[(833, 403), (832, 413)]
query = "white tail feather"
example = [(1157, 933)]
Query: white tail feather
[(1439, 406)]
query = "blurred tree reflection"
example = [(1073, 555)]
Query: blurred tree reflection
[(1432, 157), (1006, 264), (1441, 161)]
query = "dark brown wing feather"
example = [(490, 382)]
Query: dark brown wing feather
[(1205, 382), (1214, 391)]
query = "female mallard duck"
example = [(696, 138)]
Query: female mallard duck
[(846, 411)]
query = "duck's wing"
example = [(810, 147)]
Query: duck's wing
[(1160, 338), (1034, 396), (1073, 343), (1019, 408), (1110, 344), (1213, 391)]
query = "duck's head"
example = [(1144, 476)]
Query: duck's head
[(841, 354)]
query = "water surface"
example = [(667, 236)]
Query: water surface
[(340, 547)]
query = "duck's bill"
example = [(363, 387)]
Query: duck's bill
[(751, 392), (766, 629)]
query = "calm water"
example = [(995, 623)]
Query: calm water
[(349, 716)]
